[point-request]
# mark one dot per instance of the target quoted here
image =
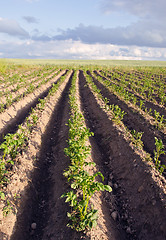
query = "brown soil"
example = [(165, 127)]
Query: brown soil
[(48, 182), (147, 103), (141, 209), (21, 91), (134, 120), (22, 182), (134, 210), (16, 114)]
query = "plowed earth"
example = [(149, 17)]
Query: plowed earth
[(134, 120), (135, 209)]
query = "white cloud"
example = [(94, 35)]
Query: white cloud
[(142, 8), (137, 52), (30, 19), (148, 31), (140, 34), (69, 49), (11, 27)]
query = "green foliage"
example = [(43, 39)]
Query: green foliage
[(141, 104), (41, 104), (157, 152), (136, 138), (34, 118), (146, 87), (84, 185), (3, 65), (2, 195), (118, 114), (8, 208), (159, 120), (13, 143)]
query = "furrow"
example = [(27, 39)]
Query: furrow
[(138, 192), (32, 176), (16, 114), (134, 120), (147, 104)]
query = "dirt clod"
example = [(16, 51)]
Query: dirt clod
[(33, 226), (114, 215)]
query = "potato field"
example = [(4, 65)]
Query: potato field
[(82, 152)]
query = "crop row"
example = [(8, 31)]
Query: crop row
[(12, 98), (126, 166), (140, 92), (23, 82), (14, 144), (150, 88), (12, 77), (83, 184), (117, 114), (19, 110), (138, 104), (127, 161)]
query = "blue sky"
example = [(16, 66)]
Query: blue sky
[(83, 29)]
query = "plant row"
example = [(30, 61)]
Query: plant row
[(135, 137), (31, 88), (147, 86), (24, 81), (83, 185), (14, 144), (16, 76), (137, 103)]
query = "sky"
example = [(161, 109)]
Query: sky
[(83, 29)]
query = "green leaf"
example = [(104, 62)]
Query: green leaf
[(2, 195), (74, 185), (94, 223), (69, 215), (63, 195), (99, 174), (100, 186), (95, 215), (107, 188)]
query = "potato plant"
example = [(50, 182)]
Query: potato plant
[(134, 136), (128, 97), (33, 85), (13, 143), (83, 184), (157, 152)]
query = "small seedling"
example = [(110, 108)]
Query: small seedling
[(136, 138), (157, 152), (159, 120), (8, 208)]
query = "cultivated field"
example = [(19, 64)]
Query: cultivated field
[(82, 150)]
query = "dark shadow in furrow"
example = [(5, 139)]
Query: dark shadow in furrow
[(34, 208), (99, 157), (23, 113), (147, 104), (134, 120), (92, 122), (141, 218)]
